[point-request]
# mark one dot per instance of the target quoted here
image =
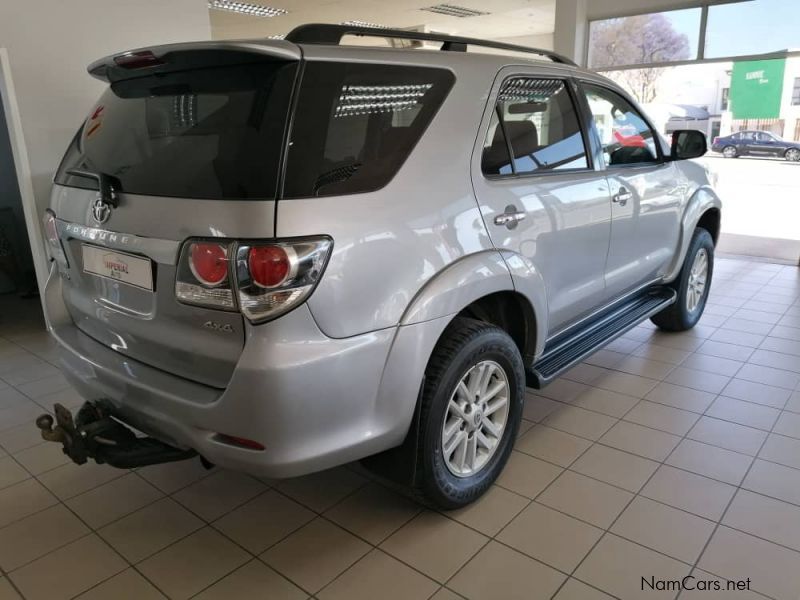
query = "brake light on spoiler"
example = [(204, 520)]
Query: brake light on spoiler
[(138, 60), (261, 280)]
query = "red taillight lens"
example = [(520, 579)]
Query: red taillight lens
[(208, 262), (269, 265), (138, 60), (235, 440)]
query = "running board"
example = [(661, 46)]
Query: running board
[(567, 350)]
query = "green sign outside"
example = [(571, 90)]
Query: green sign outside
[(756, 88)]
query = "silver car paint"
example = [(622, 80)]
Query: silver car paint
[(337, 378)]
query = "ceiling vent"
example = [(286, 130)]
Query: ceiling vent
[(451, 10), (245, 8)]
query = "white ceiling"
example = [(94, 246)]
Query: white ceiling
[(507, 18)]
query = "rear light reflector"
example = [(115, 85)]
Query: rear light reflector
[(239, 441), (138, 60), (269, 266)]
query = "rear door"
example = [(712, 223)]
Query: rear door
[(192, 147), (538, 192), (646, 192)]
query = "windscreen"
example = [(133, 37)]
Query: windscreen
[(356, 123), (209, 133)]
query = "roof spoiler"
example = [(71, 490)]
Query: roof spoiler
[(176, 57), (325, 33)]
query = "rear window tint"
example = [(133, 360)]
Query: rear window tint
[(201, 133), (356, 124)]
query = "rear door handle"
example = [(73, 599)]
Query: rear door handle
[(622, 196), (510, 218)]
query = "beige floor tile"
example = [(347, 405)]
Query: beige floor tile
[(624, 383), (563, 390), (640, 440), (128, 585), (492, 511), (552, 445), (584, 373), (445, 594), (11, 472), (606, 358), (19, 414), (435, 545), (793, 404), (774, 480), (219, 493), (537, 408), (526, 475), (580, 422), (373, 512), (70, 479), (41, 458), (315, 554), (780, 449), (550, 536), (665, 418), (617, 566), (7, 591), (636, 365), (607, 402), (615, 467), (38, 534), (42, 387), (757, 392), (112, 500), (769, 376), (170, 477), (698, 380), (253, 580), (194, 563), (23, 499), (773, 570), (665, 529), (320, 491), (378, 575), (712, 364), (585, 498), (681, 397), (500, 572), (766, 518), (721, 349), (703, 586), (744, 413), (684, 341), (10, 397), (672, 356), (775, 360), (577, 590), (263, 521), (20, 437), (150, 529), (69, 570), (710, 461), (730, 436), (693, 493), (788, 424)]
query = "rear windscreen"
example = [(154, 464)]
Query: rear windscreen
[(201, 133), (356, 123)]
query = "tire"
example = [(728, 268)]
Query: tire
[(730, 152), (465, 345), (688, 308), (792, 155)]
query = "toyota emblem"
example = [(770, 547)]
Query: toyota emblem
[(101, 210)]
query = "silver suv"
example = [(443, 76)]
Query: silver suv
[(286, 255)]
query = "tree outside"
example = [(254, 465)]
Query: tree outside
[(642, 39)]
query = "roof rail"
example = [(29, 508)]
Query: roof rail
[(327, 33)]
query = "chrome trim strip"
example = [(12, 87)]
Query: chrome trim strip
[(161, 251)]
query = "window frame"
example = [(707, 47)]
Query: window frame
[(661, 157), (570, 86), (795, 99)]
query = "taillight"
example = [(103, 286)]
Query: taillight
[(138, 60), (262, 280), (54, 247)]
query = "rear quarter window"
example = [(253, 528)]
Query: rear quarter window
[(355, 125)]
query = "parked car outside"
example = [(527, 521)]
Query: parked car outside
[(756, 143), (285, 255)]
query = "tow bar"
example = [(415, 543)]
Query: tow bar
[(94, 433)]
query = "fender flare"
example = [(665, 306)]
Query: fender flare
[(703, 199)]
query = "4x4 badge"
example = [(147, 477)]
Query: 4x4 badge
[(101, 210)]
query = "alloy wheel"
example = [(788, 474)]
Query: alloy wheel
[(698, 277), (793, 154), (476, 418), (729, 152)]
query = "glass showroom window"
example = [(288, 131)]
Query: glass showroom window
[(755, 27)]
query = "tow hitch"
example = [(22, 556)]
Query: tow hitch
[(94, 433)]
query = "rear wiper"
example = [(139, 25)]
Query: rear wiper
[(106, 184)]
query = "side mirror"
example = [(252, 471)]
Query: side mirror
[(688, 143)]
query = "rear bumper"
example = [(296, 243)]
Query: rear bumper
[(313, 402)]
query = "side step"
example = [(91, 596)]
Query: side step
[(572, 347)]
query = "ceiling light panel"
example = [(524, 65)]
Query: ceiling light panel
[(451, 10), (357, 23), (246, 8)]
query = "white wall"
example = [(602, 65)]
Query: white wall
[(49, 44)]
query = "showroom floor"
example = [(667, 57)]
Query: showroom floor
[(662, 455)]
